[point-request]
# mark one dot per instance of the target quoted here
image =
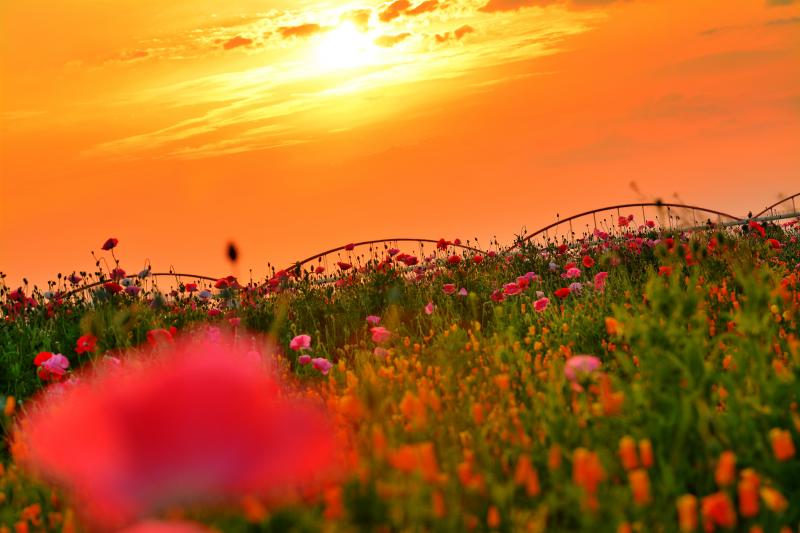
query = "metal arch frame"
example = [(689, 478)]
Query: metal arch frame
[(625, 206), (779, 202), (376, 241), (151, 275)]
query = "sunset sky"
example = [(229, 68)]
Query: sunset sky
[(294, 126)]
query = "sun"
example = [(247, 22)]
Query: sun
[(345, 47)]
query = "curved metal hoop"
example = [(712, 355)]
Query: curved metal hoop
[(377, 241), (625, 206), (779, 202), (152, 275)]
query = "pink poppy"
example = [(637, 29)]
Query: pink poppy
[(429, 308), (600, 280), (380, 334), (304, 359), (511, 289), (449, 288), (572, 272), (541, 304), (463, 292), (579, 366), (322, 364), (300, 342), (373, 320), (56, 365)]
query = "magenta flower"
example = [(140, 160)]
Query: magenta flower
[(380, 334), (463, 292), (511, 289), (300, 342), (581, 366), (572, 272), (429, 308), (600, 280), (373, 320), (322, 364), (541, 304), (304, 359), (56, 365)]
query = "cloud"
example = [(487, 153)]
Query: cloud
[(783, 22), (424, 7), (493, 6), (394, 10), (463, 30), (458, 34), (301, 30), (387, 41), (359, 17), (236, 42)]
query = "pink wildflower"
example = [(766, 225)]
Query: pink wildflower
[(300, 342)]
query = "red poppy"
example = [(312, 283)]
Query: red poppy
[(160, 335), (86, 343), (588, 262), (190, 287), (562, 249), (478, 259), (349, 247), (344, 266), (758, 227), (563, 292), (497, 296), (442, 244), (221, 283), (491, 253), (665, 271), (42, 357), (112, 287), (110, 243), (117, 273), (454, 259), (775, 243)]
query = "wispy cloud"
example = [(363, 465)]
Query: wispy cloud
[(295, 100)]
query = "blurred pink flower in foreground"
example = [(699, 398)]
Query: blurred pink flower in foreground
[(429, 307), (201, 424), (152, 526)]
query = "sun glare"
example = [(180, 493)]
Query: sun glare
[(345, 47)]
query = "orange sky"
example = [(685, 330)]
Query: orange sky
[(293, 126)]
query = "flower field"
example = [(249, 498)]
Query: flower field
[(647, 381)]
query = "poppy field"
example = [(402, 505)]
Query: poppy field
[(643, 381)]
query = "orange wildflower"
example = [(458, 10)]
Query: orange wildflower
[(554, 457), (612, 326), (416, 458), (587, 471), (413, 409), (627, 453), (8, 410), (437, 503), (493, 517), (610, 400), (687, 513), (726, 469), (333, 503), (646, 452), (477, 413), (640, 486), (254, 510), (718, 510), (782, 444), (774, 500), (747, 490), (378, 441), (525, 475)]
